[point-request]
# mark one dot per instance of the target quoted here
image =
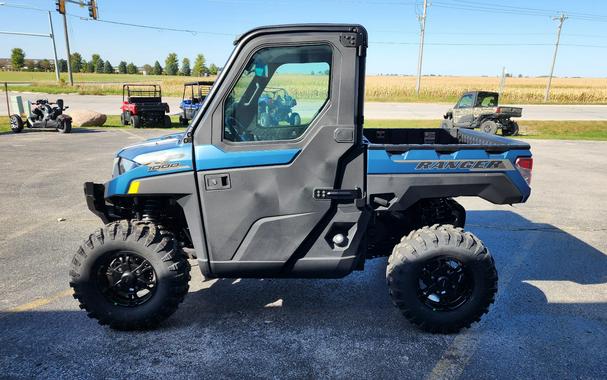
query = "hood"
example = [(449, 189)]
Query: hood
[(166, 148)]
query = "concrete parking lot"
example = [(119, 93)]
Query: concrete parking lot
[(549, 320)]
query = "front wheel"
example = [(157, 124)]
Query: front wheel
[(64, 126), (16, 123), (489, 127), (130, 275), (442, 278), (295, 119)]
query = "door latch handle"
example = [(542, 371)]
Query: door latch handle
[(217, 181)]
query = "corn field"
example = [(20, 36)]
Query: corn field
[(378, 88)]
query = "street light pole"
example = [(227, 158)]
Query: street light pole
[(50, 23), (422, 23), (561, 19), (69, 55)]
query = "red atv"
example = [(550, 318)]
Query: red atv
[(142, 105)]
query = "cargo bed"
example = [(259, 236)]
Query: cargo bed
[(406, 165), (441, 140)]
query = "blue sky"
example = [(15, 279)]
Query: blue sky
[(487, 40)]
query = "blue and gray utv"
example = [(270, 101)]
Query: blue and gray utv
[(194, 94), (316, 199)]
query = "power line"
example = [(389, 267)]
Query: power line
[(154, 27)]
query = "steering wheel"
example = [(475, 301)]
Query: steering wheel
[(234, 128)]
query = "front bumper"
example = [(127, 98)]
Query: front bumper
[(94, 193)]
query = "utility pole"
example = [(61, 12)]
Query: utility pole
[(69, 55), (561, 19), (60, 4), (50, 23), (422, 24), (502, 81)]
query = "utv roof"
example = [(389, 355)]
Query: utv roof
[(298, 28)]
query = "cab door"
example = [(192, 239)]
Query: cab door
[(279, 158), (463, 111)]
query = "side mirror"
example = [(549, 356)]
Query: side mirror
[(60, 103)]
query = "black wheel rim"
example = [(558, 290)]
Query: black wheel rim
[(126, 279), (444, 284)]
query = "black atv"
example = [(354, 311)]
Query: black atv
[(45, 115), (276, 106)]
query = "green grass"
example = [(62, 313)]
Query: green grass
[(552, 130)]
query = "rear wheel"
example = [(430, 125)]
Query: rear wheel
[(511, 129), (167, 121), (489, 127), (135, 121), (442, 278), (123, 119), (130, 275), (16, 123), (183, 120)]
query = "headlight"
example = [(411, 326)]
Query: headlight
[(122, 165)]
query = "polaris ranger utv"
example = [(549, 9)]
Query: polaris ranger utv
[(313, 200)]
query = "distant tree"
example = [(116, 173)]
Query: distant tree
[(76, 61), (171, 65), (122, 67), (100, 66), (62, 65), (83, 67), (108, 68), (95, 58), (213, 69), (148, 69), (185, 67), (90, 67), (132, 69), (520, 75), (45, 65), (199, 66), (17, 58), (157, 68)]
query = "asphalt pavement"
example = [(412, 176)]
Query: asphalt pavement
[(110, 105), (549, 319)]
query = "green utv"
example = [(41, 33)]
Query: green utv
[(314, 198), (480, 109)]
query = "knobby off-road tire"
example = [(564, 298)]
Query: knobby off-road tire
[(16, 123), (511, 129), (64, 126), (167, 122), (416, 258), (135, 121), (116, 243), (489, 127)]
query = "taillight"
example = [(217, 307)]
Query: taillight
[(134, 109), (498, 110), (525, 165)]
